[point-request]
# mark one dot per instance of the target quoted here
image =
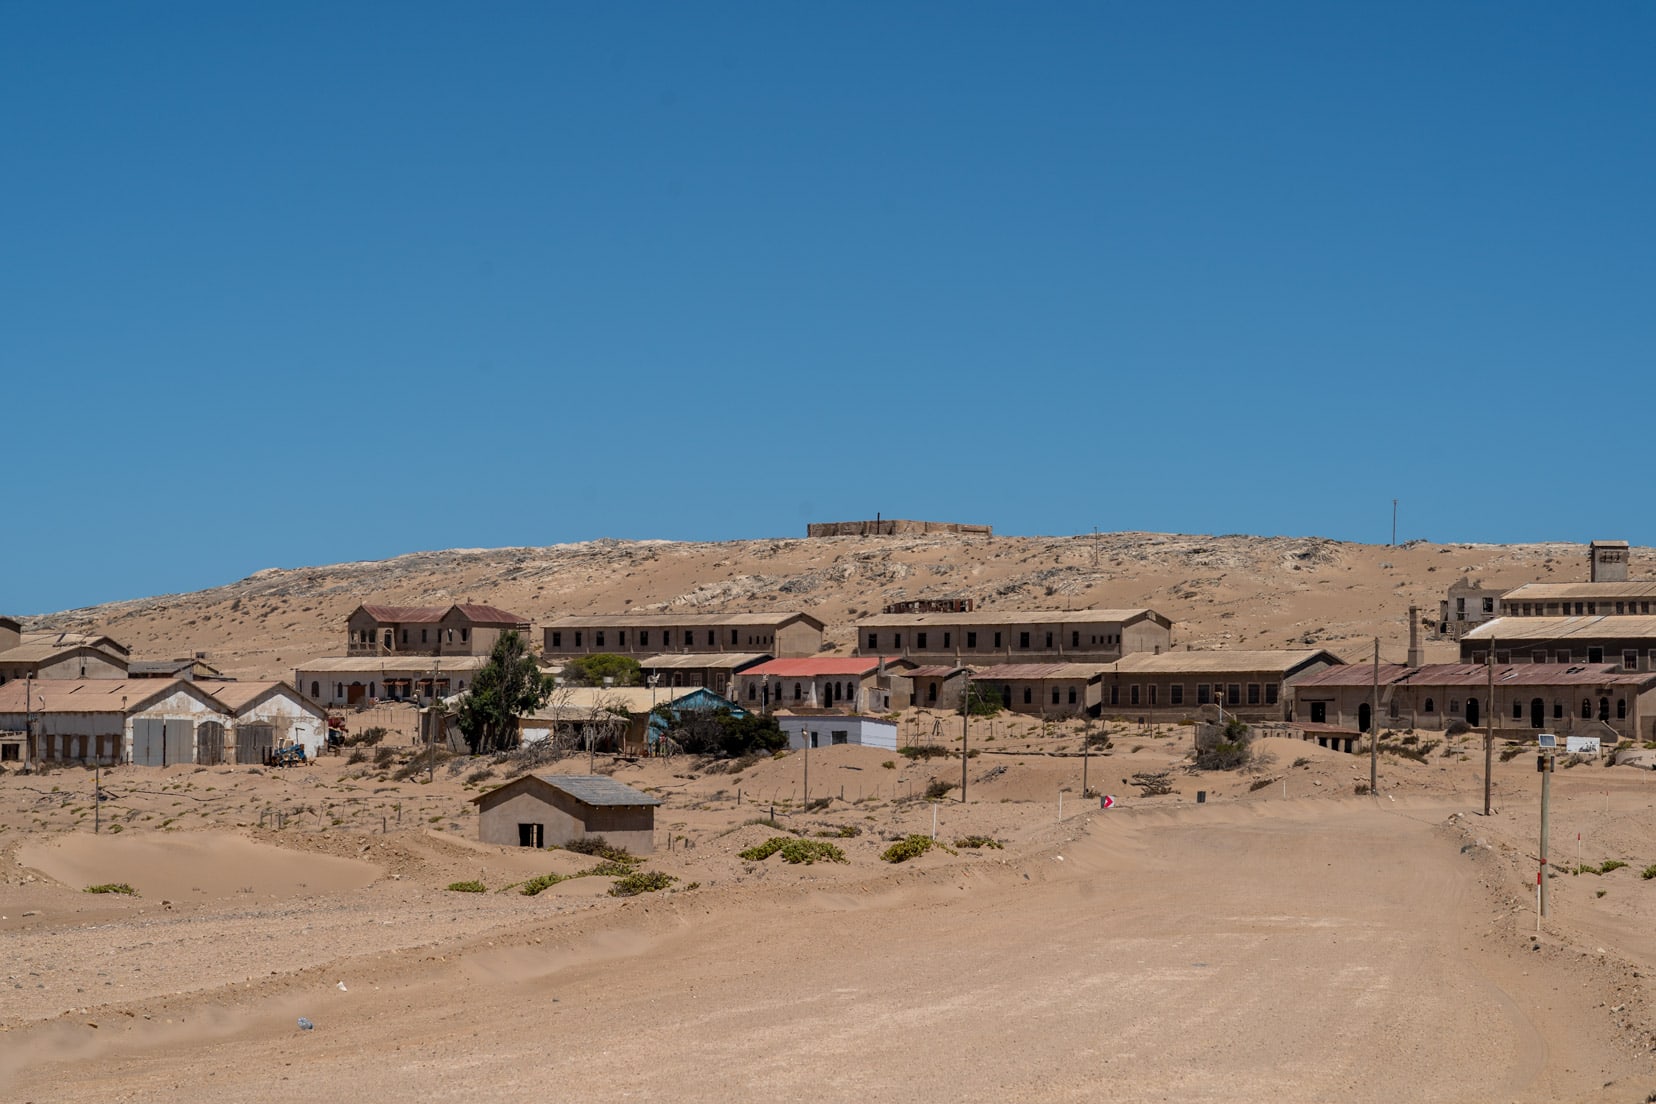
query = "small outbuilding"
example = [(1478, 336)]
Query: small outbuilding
[(827, 730), (544, 810)]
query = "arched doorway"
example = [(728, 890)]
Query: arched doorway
[(1604, 709), (1364, 716), (1472, 712), (354, 693), (1538, 713)]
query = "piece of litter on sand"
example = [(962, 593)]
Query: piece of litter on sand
[(342, 988), (304, 1024)]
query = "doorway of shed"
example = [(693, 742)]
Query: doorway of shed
[(532, 835)]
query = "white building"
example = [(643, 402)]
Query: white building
[(148, 722), (267, 715), (829, 730)]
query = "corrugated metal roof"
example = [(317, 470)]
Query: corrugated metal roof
[(676, 661), (1545, 592), (824, 666), (237, 696), (675, 620), (595, 789), (426, 615), (1509, 630), (397, 665), (1358, 675), (1226, 661), (45, 653), (569, 702), (934, 671), (1008, 618), (96, 640), (1016, 672), (92, 695)]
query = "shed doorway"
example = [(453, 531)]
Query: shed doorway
[(1538, 713), (254, 742), (532, 835), (210, 743), (1364, 716), (1472, 712)]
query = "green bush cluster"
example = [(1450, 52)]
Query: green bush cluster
[(811, 851), (472, 886), (909, 847), (641, 881), (113, 887), (762, 851), (542, 881), (844, 831), (978, 842), (600, 847)]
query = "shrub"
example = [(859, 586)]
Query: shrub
[(473, 886), (1231, 751), (810, 851), (1511, 751), (1302, 762), (931, 751), (368, 737), (844, 831), (479, 775), (937, 788), (1361, 789), (356, 756), (763, 851), (591, 670), (1259, 784), (609, 868), (600, 847), (889, 764), (1610, 864), (641, 881), (979, 842), (1648, 872), (113, 887), (544, 881), (909, 847)]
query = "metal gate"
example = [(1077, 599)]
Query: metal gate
[(254, 742), (148, 742)]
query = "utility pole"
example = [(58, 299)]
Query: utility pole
[(807, 734), (1394, 523), (1489, 728), (1544, 764), (1374, 727), (435, 715), (965, 722)]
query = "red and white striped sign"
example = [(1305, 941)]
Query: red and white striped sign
[(1108, 802)]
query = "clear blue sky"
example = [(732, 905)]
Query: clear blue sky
[(299, 283)]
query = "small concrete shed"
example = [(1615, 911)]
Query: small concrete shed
[(553, 809)]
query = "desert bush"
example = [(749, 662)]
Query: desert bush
[(1259, 784), (641, 881), (383, 757), (1302, 761), (909, 847), (356, 756), (889, 764), (1512, 751), (937, 788), (810, 851), (1648, 872), (1361, 789), (428, 759), (599, 846), (609, 868), (844, 831), (762, 851), (1154, 783), (1231, 751), (977, 842), (113, 887), (544, 881), (479, 775), (930, 751), (472, 886), (368, 737)]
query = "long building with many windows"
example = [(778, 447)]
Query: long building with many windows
[(1016, 636)]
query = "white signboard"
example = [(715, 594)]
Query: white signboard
[(1547, 740), (1581, 745)]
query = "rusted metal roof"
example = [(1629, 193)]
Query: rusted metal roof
[(675, 620), (1010, 618), (935, 671), (1588, 592), (825, 666), (1510, 630), (94, 695), (1039, 672), (415, 665), (1222, 662), (430, 615), (1359, 675), (681, 661)]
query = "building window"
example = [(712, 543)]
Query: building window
[(1133, 695), (423, 637), (1270, 693), (1233, 693), (1427, 706), (873, 642), (1586, 710), (1621, 709), (1152, 689), (621, 639), (1055, 696), (971, 640), (1253, 693), (1480, 657), (1517, 709), (997, 641), (1028, 696), (1630, 660), (1391, 710), (1175, 694), (598, 639), (577, 638), (316, 689), (1558, 711), (465, 636), (931, 692), (1202, 693), (451, 636), (1075, 640), (710, 640), (920, 641), (797, 692), (1538, 657), (753, 691), (1023, 640), (557, 639), (896, 642), (1115, 695), (946, 640), (1595, 655), (1454, 705), (1072, 695), (1489, 605), (404, 637), (643, 638), (1049, 642), (734, 637)]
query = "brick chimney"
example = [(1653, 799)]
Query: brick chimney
[(1417, 655)]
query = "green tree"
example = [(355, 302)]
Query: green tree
[(982, 700), (593, 669), (719, 731), (510, 685)]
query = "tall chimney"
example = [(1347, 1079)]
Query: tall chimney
[(1417, 655)]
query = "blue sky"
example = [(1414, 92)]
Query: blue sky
[(293, 284)]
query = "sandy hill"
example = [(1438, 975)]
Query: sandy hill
[(1222, 591)]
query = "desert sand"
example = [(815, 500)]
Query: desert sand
[(1286, 940)]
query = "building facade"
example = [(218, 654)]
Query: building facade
[(1628, 641), (1044, 689), (650, 634), (464, 629), (1172, 686), (1034, 636), (865, 684)]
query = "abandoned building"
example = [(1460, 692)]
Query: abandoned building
[(57, 655), (894, 527), (1627, 640), (553, 809), (848, 684), (1174, 685), (1044, 689), (835, 729), (146, 722), (269, 715), (1021, 636), (650, 634), (715, 670), (464, 629), (358, 680)]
